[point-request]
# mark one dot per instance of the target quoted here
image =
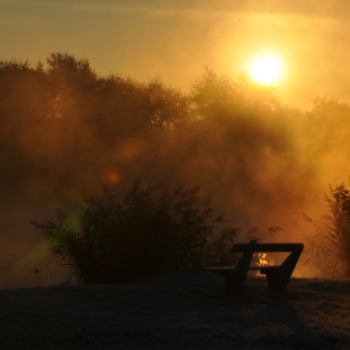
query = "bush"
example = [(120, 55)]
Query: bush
[(142, 235)]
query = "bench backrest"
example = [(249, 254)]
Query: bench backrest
[(268, 247)]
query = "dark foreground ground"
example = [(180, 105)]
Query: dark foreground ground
[(177, 311)]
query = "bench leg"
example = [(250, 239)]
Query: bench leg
[(279, 278), (234, 280), (233, 284)]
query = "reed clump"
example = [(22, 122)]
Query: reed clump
[(119, 241), (330, 246)]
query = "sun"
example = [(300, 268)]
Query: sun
[(266, 69)]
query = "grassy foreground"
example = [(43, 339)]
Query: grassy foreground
[(177, 311)]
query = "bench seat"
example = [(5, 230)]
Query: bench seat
[(230, 268)]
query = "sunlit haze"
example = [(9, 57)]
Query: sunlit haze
[(176, 40), (249, 100)]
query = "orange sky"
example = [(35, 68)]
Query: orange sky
[(176, 39)]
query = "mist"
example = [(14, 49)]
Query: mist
[(67, 131)]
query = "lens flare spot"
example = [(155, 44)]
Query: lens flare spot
[(110, 176)]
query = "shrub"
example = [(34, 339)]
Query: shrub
[(142, 235)]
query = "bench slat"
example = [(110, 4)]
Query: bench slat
[(264, 267), (232, 268), (220, 268), (268, 247)]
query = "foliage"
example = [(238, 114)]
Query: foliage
[(330, 247), (142, 235), (58, 115), (214, 95)]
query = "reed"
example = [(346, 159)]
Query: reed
[(330, 246)]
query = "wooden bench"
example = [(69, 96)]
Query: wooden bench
[(277, 275)]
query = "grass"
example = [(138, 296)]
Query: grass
[(177, 311)]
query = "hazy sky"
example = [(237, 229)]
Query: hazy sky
[(176, 39)]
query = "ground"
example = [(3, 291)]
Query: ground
[(177, 311)]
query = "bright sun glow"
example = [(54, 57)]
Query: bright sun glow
[(266, 70)]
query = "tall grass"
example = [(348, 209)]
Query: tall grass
[(141, 235), (119, 241), (330, 247)]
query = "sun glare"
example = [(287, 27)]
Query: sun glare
[(266, 69)]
